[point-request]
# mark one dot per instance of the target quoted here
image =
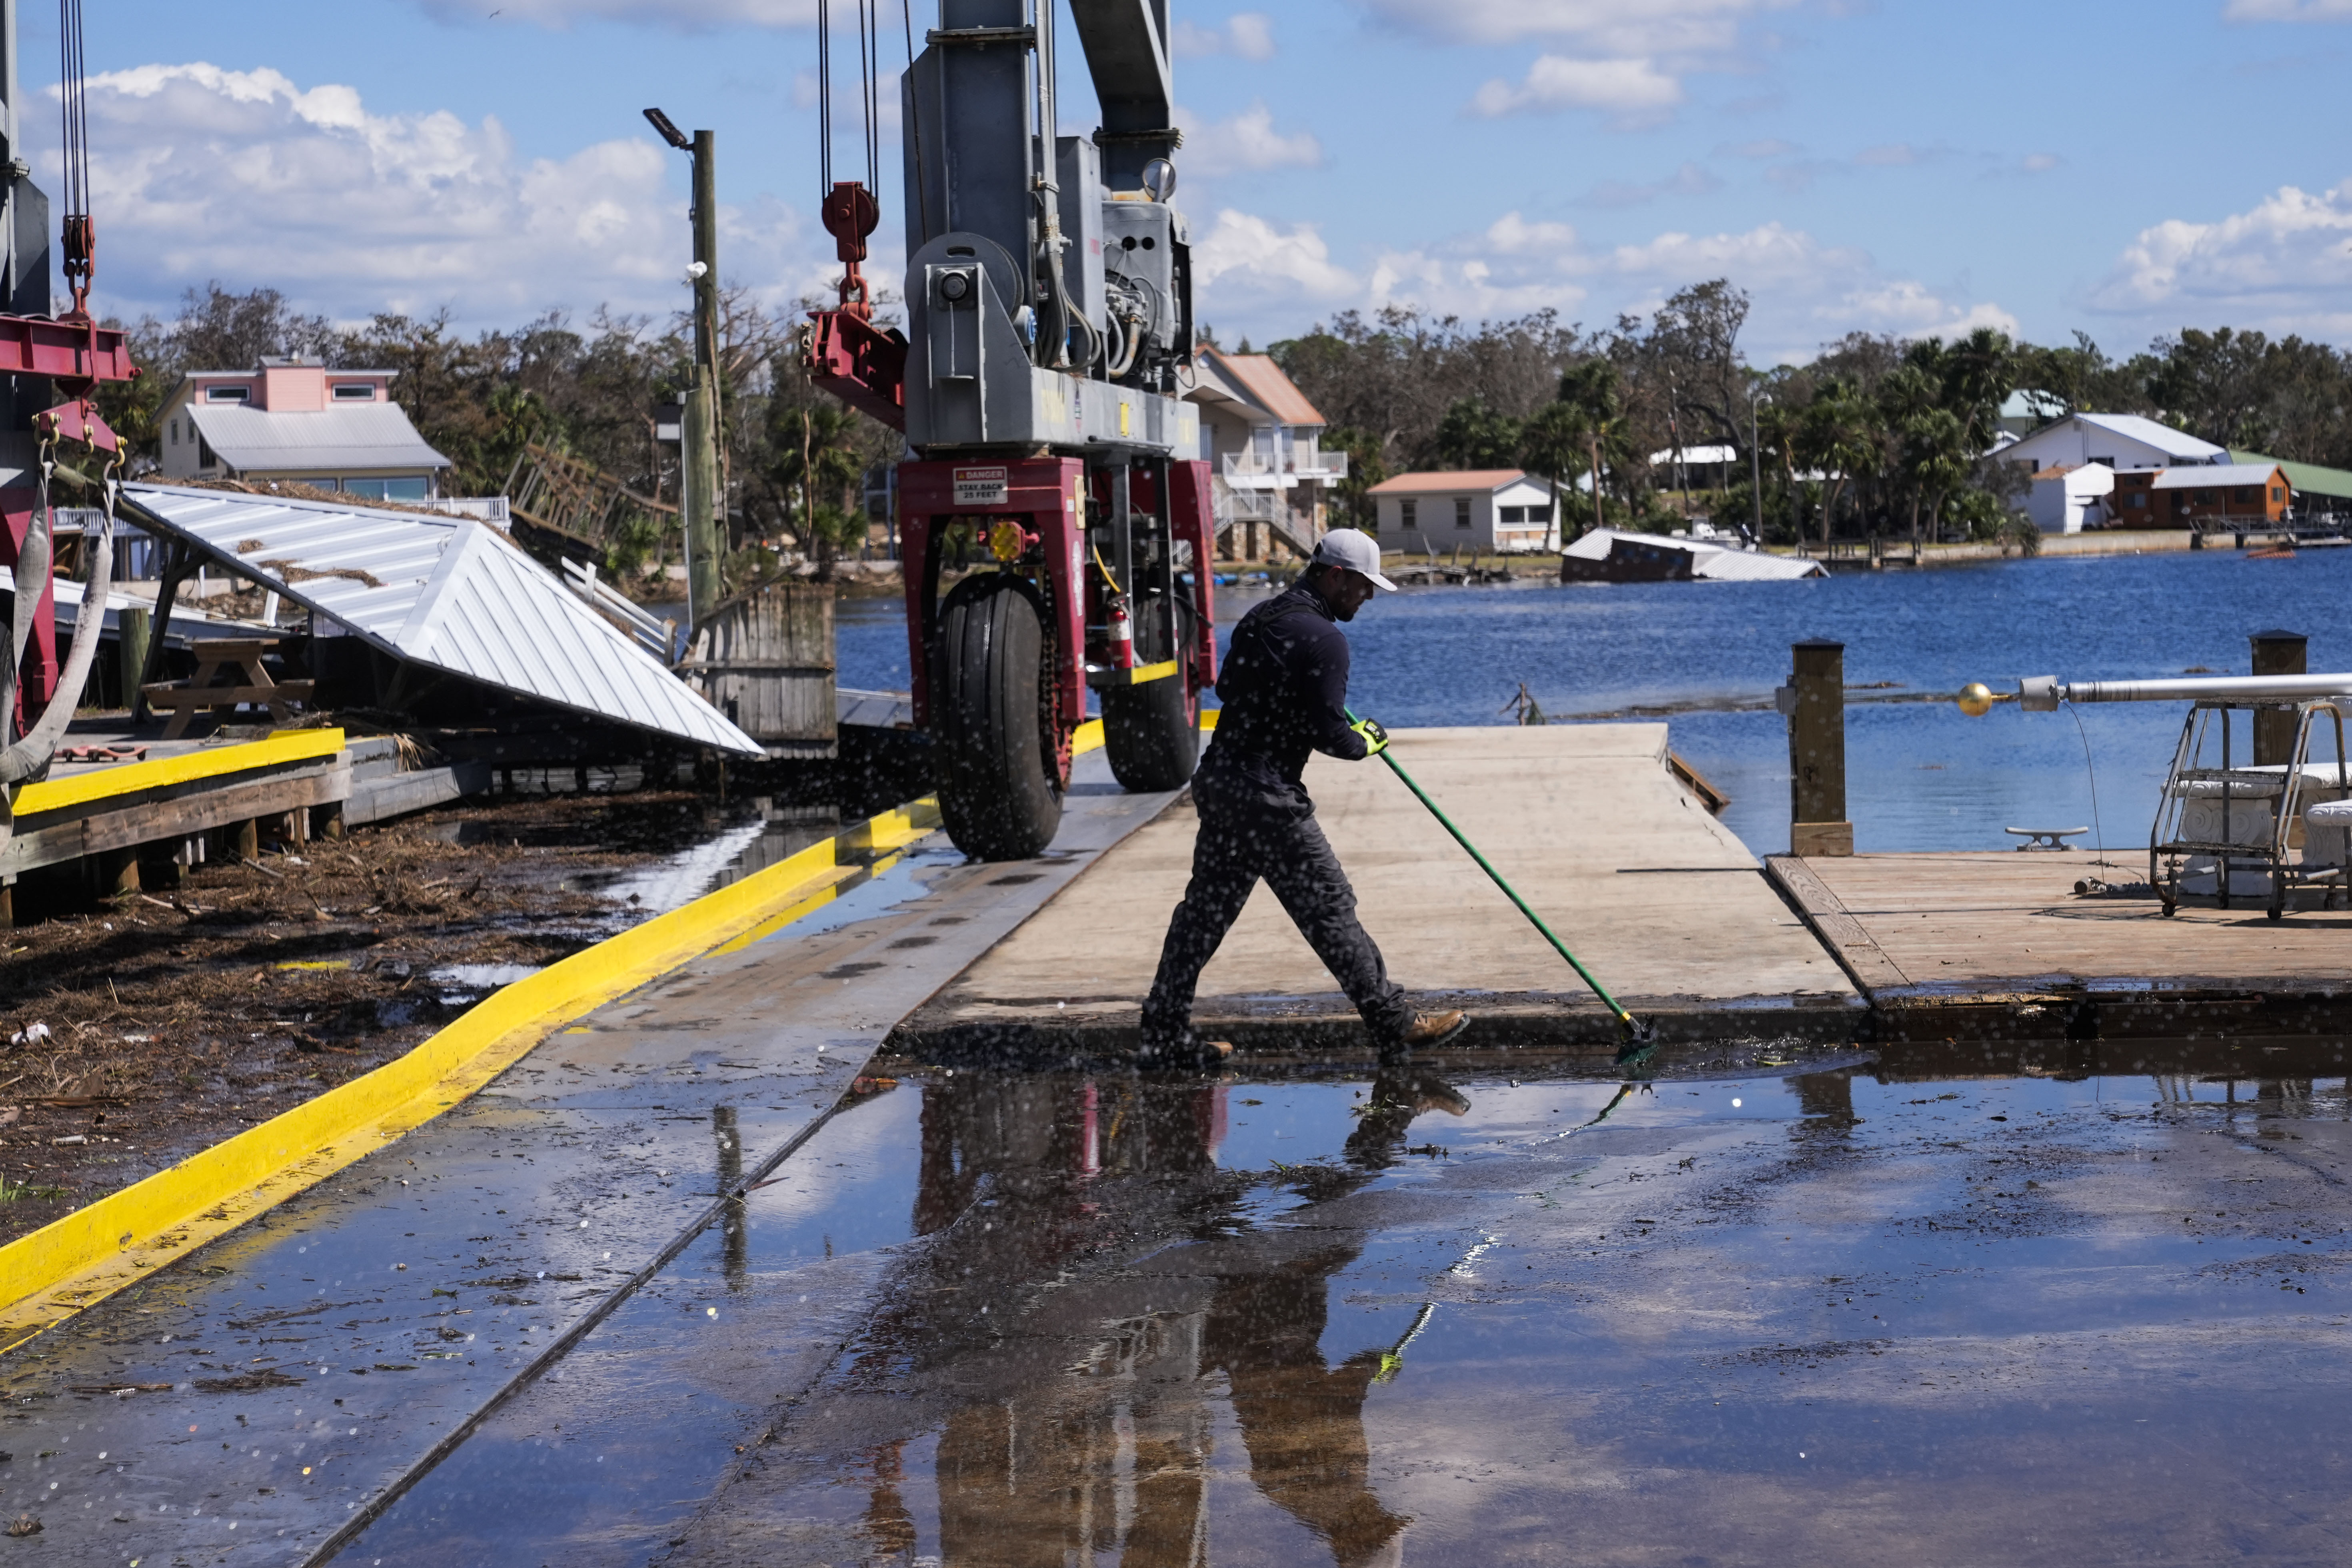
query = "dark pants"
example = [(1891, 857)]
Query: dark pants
[(1253, 828)]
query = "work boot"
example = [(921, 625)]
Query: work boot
[(1433, 1029)]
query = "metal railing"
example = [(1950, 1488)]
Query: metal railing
[(1310, 465)]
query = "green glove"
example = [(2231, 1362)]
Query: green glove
[(1376, 740)]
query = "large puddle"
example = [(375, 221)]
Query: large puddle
[(2030, 1312)]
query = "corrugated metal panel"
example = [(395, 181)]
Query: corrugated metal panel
[(2308, 478), (188, 625), (1753, 566), (2163, 437), (365, 435), (447, 592), (2207, 475)]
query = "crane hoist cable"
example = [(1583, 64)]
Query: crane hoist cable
[(80, 240), (870, 102)]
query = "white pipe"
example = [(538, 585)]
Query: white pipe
[(2043, 694)]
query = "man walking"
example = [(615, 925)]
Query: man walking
[(1285, 689)]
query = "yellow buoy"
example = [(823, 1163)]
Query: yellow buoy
[(1975, 699)]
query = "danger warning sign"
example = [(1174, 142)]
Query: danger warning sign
[(981, 487)]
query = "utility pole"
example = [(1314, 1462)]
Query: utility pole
[(1756, 461), (702, 492)]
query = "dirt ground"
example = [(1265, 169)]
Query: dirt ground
[(160, 1023)]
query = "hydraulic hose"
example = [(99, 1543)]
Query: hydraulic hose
[(33, 750)]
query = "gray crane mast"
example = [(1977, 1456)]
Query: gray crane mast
[(1049, 277)]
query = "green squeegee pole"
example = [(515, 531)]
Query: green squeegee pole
[(1624, 1017)]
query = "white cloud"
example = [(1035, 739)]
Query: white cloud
[(686, 15), (200, 173), (1247, 141), (1632, 89), (1805, 292), (1624, 57), (2288, 11), (1246, 34), (1607, 26), (1245, 256), (2284, 265)]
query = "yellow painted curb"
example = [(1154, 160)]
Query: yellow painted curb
[(89, 1255), (208, 761)]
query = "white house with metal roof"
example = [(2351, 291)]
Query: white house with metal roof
[(293, 418), (2114, 441), (1485, 508)]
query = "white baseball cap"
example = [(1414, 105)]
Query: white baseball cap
[(1354, 549)]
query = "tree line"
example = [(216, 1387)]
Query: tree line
[(1877, 434), (794, 457)]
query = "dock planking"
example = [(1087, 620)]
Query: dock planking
[(1943, 942), (1659, 898)]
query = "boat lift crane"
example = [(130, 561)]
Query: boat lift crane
[(42, 359), (1050, 329)]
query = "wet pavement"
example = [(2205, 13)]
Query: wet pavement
[(706, 1280), (265, 1395), (2041, 1307)]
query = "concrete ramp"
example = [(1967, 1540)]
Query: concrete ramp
[(1660, 900)]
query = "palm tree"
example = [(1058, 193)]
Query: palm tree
[(1596, 404), (1840, 436), (1553, 445)]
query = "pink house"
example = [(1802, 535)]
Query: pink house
[(293, 418)]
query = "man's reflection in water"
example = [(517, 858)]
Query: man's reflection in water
[(1048, 1456)]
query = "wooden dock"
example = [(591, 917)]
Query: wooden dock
[(1591, 823), (86, 828), (1999, 941)]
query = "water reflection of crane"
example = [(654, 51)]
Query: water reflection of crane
[(1084, 1381)]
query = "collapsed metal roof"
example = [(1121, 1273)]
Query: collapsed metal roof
[(447, 592)]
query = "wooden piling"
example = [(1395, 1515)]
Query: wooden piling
[(135, 625), (2277, 653), (1817, 818), (118, 872)]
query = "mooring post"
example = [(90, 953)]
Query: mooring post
[(132, 655), (2277, 653), (1814, 702)]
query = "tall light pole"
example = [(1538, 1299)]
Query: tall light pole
[(1756, 395), (701, 504)]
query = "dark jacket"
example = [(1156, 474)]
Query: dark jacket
[(1285, 690)]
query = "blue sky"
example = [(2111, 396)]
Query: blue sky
[(1907, 167)]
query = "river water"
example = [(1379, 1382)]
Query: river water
[(1705, 657)]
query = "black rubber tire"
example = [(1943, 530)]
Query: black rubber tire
[(1152, 732), (997, 797)]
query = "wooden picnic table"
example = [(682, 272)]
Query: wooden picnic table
[(229, 673)]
